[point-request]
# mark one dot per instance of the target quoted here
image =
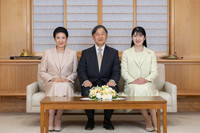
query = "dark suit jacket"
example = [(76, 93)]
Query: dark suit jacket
[(88, 66)]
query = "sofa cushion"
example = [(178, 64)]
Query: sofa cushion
[(121, 84), (77, 93), (166, 96), (77, 85), (37, 97)]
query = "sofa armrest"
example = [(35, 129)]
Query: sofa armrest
[(30, 90), (172, 90)]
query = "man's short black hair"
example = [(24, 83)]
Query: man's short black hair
[(98, 27)]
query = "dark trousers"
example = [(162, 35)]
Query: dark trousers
[(90, 113), (107, 115)]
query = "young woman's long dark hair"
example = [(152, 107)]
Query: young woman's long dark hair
[(139, 30)]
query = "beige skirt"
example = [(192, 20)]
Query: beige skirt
[(63, 89), (147, 89)]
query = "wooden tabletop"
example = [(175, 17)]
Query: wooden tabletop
[(138, 99)]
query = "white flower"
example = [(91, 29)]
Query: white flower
[(93, 92), (98, 95), (104, 97), (109, 97), (107, 90)]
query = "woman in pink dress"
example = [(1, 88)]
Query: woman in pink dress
[(58, 71)]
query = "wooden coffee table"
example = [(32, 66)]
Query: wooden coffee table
[(155, 102)]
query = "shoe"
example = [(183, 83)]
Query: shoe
[(50, 129), (108, 125), (57, 125), (51, 121), (57, 129), (150, 129), (89, 125)]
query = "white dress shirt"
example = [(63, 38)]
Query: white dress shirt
[(102, 49)]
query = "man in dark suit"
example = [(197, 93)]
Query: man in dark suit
[(99, 65)]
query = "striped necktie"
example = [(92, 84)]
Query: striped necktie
[(99, 57)]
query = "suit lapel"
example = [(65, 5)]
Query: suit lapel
[(134, 56), (65, 58), (94, 58), (55, 58), (144, 55)]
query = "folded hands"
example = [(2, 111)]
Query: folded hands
[(140, 81), (59, 80)]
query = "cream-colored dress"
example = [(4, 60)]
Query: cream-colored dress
[(54, 69), (135, 65)]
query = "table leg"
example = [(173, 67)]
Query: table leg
[(158, 121), (165, 118), (42, 118), (46, 121)]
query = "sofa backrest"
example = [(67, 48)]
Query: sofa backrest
[(39, 80), (159, 81)]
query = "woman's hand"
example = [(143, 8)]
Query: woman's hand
[(139, 81), (59, 80), (66, 80)]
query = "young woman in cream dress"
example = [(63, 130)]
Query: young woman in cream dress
[(139, 69), (58, 71)]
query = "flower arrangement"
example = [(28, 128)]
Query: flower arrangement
[(102, 93)]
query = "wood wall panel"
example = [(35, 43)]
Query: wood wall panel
[(12, 104), (187, 28), (25, 74), (7, 77), (189, 103), (14, 27), (10, 77), (15, 77), (0, 29), (185, 76)]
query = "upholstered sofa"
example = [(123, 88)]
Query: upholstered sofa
[(168, 91)]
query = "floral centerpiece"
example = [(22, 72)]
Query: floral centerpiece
[(102, 93)]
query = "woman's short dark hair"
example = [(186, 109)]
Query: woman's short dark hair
[(60, 29), (98, 27), (139, 30)]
